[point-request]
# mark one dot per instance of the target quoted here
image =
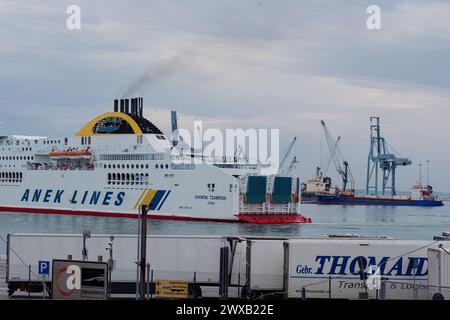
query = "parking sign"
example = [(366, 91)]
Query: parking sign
[(44, 267)]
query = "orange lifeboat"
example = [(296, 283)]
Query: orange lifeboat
[(74, 154)]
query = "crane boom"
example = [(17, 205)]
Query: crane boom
[(292, 165), (337, 157), (288, 152)]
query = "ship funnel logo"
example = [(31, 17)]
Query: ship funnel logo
[(228, 146)]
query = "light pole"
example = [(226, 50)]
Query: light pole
[(420, 174), (110, 264), (86, 235), (143, 251)]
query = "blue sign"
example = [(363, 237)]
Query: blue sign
[(44, 267)]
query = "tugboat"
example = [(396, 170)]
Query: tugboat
[(318, 185)]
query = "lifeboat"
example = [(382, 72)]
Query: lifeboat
[(74, 154)]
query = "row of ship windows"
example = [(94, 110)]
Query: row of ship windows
[(10, 177), (52, 141), (18, 158), (132, 157), (128, 178), (10, 143), (132, 166)]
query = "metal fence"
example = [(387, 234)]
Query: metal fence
[(357, 288)]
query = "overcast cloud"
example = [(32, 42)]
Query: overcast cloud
[(239, 63)]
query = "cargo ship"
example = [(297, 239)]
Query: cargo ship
[(319, 189), (420, 197), (120, 161)]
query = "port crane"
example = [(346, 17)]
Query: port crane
[(337, 158), (286, 156), (324, 166), (381, 158), (292, 164)]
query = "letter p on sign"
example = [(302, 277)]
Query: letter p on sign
[(44, 267)]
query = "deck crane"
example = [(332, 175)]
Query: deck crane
[(337, 158), (292, 165), (286, 155), (380, 157), (324, 166)]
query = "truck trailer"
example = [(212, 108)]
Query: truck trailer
[(356, 268), (255, 267), (195, 259), (439, 272)]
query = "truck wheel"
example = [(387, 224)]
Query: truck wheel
[(438, 296)]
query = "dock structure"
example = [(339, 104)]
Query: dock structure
[(3, 284)]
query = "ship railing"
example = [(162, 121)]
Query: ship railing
[(53, 167), (212, 159)]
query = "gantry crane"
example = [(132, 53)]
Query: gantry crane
[(380, 157), (338, 158)]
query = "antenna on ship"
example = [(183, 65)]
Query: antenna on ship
[(420, 174), (174, 122)]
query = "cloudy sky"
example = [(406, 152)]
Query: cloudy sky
[(239, 63)]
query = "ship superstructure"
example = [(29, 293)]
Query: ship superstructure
[(120, 161)]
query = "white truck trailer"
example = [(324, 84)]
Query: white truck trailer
[(264, 258), (191, 258), (324, 268), (439, 272), (257, 266)]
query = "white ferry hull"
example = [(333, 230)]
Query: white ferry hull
[(115, 173), (69, 192)]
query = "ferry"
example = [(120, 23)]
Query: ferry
[(120, 161)]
